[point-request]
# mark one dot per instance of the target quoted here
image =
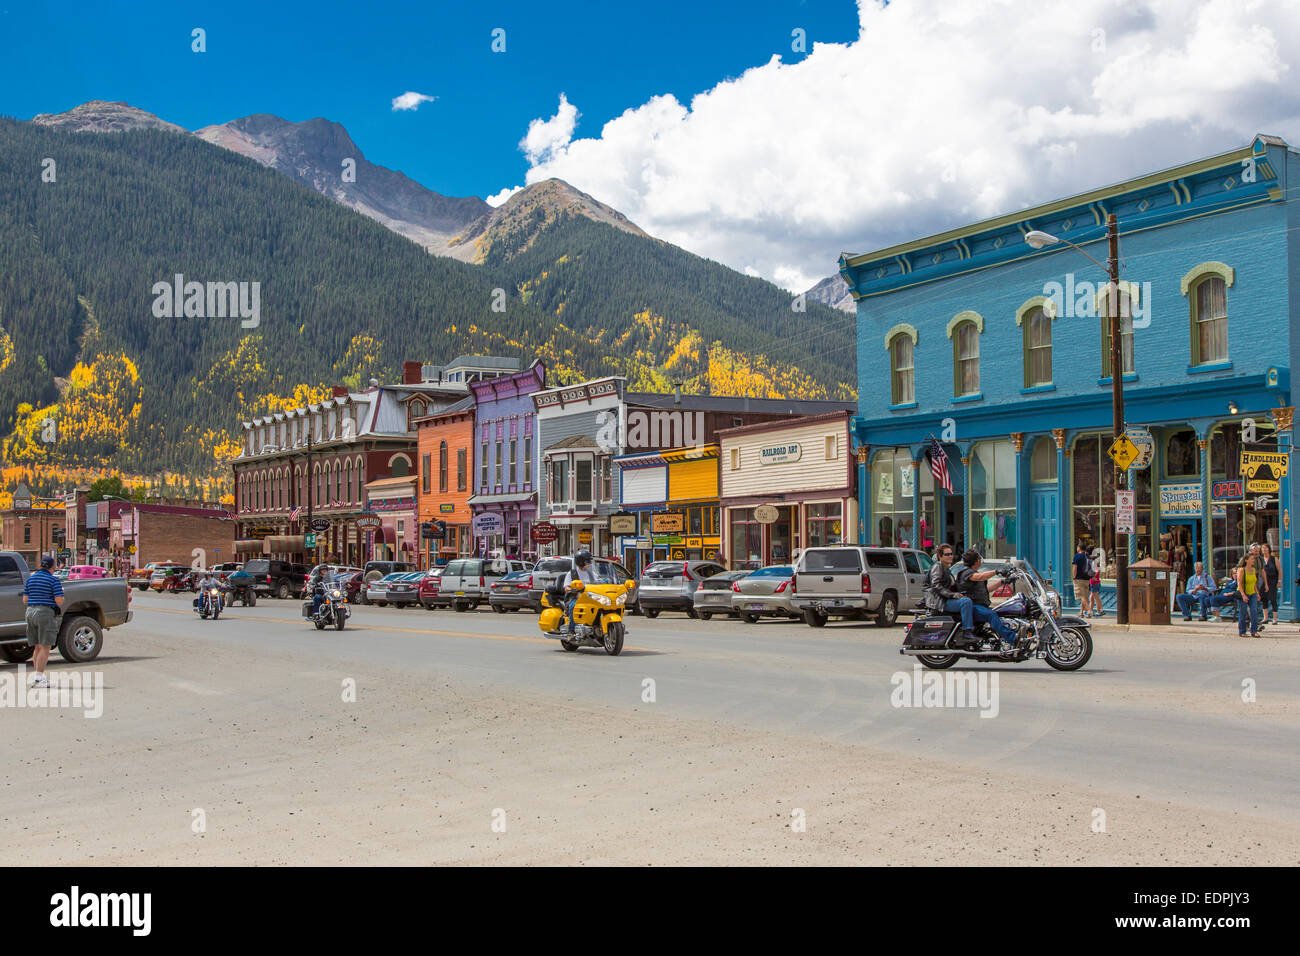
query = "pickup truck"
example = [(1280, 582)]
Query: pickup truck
[(858, 582), (89, 608)]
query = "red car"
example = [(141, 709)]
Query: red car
[(429, 590)]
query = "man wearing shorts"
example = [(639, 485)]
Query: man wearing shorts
[(1082, 572), (43, 598)]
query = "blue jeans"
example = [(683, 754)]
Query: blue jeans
[(962, 606), (568, 610), (1248, 613), (1185, 600), (316, 601), (987, 616)]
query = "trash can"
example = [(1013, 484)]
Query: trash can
[(1150, 583)]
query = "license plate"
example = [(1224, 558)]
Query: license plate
[(756, 607), (460, 594)]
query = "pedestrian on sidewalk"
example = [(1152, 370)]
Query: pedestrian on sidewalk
[(1094, 583), (1272, 575), (1082, 572), (1200, 588), (43, 598), (1247, 596)]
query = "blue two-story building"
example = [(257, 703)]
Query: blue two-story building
[(1001, 352)]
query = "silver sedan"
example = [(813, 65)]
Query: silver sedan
[(764, 593), (713, 596)]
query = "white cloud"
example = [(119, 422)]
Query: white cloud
[(544, 137), (411, 101), (498, 198), (939, 114)]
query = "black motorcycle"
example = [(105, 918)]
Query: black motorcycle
[(210, 603), (333, 609), (1064, 641)]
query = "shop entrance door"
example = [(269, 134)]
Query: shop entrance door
[(782, 535), (1043, 540), (1180, 543)]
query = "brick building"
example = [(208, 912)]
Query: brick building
[(172, 533), (33, 526), (446, 455)]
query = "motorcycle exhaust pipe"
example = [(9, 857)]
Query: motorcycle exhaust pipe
[(943, 651)]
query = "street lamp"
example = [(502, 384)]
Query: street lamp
[(1037, 239)]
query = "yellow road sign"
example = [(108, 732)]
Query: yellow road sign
[(1123, 452)]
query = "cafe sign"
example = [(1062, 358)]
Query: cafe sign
[(1263, 471), (1183, 499), (779, 454)]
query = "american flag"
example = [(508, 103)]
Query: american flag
[(293, 515), (939, 465)]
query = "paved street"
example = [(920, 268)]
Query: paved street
[(463, 720)]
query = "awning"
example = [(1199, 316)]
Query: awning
[(249, 546), (519, 496), (286, 543)]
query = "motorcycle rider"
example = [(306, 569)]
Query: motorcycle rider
[(973, 582), (582, 570), (318, 581), (942, 596), (206, 581)]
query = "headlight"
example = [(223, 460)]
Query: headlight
[(600, 599), (622, 598), (335, 594)]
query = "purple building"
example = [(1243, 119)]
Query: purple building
[(504, 478)]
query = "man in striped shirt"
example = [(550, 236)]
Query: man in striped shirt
[(43, 597)]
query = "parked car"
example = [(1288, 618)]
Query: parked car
[(713, 596), (431, 595), (511, 592), (858, 582), (671, 585), (765, 593), (82, 572), (376, 592), (549, 570), (374, 570), (282, 579), (142, 578), (350, 583), (90, 606), (404, 589), (467, 580)]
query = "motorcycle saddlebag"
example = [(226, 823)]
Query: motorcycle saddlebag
[(306, 608), (928, 631)]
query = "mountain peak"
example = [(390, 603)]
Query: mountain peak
[(103, 116)]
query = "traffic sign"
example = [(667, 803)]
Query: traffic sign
[(1125, 511), (309, 541), (1123, 452)]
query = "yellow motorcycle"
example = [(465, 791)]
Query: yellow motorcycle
[(597, 616)]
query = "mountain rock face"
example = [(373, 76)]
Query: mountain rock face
[(314, 153), (101, 116), (517, 222), (833, 292)]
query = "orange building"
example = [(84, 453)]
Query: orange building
[(446, 450)]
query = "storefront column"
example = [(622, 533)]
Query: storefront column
[(916, 504), (965, 498), (1064, 544), (1022, 497), (1207, 508), (864, 492), (1287, 605)]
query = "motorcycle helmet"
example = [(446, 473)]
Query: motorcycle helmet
[(582, 559)]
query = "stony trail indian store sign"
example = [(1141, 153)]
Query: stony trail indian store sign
[(779, 454), (1185, 500)]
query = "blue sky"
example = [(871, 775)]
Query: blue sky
[(346, 61)]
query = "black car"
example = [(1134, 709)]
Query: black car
[(281, 579), (512, 592)]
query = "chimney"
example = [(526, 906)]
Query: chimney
[(338, 391), (411, 373)]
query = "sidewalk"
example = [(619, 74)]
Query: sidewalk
[(1210, 628)]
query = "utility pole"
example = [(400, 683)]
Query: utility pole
[(1117, 412)]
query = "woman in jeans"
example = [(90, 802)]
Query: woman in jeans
[(1271, 575), (1247, 596)]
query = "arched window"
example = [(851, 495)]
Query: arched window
[(361, 477), (399, 466), (1182, 456), (442, 466), (338, 483), (966, 360), (1037, 326), (1209, 303), (901, 343), (348, 482)]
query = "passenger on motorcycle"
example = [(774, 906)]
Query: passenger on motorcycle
[(583, 571), (973, 582), (942, 596), (320, 579)]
